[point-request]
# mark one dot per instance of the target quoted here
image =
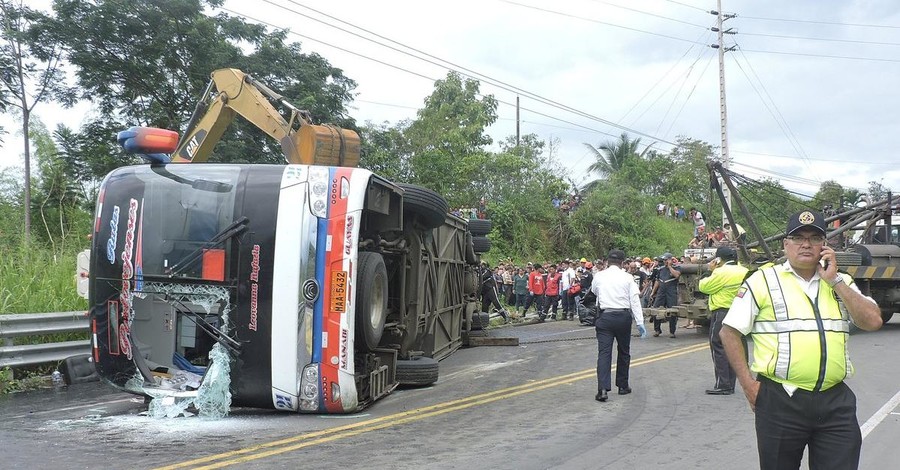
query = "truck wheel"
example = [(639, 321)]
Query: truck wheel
[(430, 207), (371, 299), (480, 320), (481, 244), (480, 226), (886, 315), (417, 371)]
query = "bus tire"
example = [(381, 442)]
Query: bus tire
[(417, 372), (428, 206), (471, 257), (481, 244), (470, 281), (371, 299), (480, 226)]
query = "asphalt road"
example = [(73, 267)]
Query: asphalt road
[(524, 407)]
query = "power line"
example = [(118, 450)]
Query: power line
[(794, 157), (762, 18), (699, 77), (554, 12), (687, 77), (459, 69), (686, 5), (785, 127), (826, 56), (650, 14), (852, 41), (663, 77)]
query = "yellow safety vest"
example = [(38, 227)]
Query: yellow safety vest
[(723, 284), (795, 341)]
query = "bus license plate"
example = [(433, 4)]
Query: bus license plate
[(338, 291)]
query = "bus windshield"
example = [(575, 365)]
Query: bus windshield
[(179, 216)]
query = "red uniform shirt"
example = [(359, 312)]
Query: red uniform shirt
[(553, 281), (536, 283)]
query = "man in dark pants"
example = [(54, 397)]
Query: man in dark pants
[(721, 286), (619, 301), (667, 293), (792, 315), (489, 293)]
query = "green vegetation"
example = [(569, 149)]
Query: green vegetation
[(38, 280)]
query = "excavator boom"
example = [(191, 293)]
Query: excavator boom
[(231, 92)]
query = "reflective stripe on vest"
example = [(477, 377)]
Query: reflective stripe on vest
[(780, 307), (796, 341), (787, 326)]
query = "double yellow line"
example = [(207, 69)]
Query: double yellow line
[(342, 432)]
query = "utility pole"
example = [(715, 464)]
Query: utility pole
[(723, 111), (517, 121)]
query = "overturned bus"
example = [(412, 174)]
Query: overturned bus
[(297, 287)]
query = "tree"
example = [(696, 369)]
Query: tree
[(877, 191), (30, 73), (383, 150), (611, 156), (829, 196), (447, 138), (149, 63)]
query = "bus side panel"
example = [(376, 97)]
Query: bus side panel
[(252, 315)]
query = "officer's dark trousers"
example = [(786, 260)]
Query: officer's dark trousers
[(824, 421), (613, 324), (725, 377)]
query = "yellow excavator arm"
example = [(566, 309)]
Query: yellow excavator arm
[(231, 92)]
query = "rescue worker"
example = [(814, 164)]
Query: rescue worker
[(791, 313), (666, 293), (721, 286), (619, 302)]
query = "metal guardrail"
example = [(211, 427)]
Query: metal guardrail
[(38, 324)]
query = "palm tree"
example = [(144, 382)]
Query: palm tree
[(611, 156)]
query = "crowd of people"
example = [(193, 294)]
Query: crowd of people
[(567, 203), (556, 290)]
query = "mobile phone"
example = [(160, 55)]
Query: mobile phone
[(824, 263)]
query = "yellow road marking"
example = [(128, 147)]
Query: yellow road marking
[(354, 429)]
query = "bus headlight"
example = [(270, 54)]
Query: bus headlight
[(309, 388), (318, 190)]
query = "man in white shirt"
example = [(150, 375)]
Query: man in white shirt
[(697, 217), (569, 277), (618, 299)]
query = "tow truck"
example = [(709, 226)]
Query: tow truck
[(313, 287), (866, 243)]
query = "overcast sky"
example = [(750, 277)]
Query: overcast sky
[(811, 87)]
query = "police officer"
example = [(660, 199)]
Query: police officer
[(721, 286), (619, 302), (791, 313), (666, 293)]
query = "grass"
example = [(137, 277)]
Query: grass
[(36, 280)]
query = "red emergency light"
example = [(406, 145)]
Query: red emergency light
[(148, 140)]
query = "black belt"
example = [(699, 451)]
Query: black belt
[(615, 310)]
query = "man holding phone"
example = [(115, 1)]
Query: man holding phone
[(792, 315)]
